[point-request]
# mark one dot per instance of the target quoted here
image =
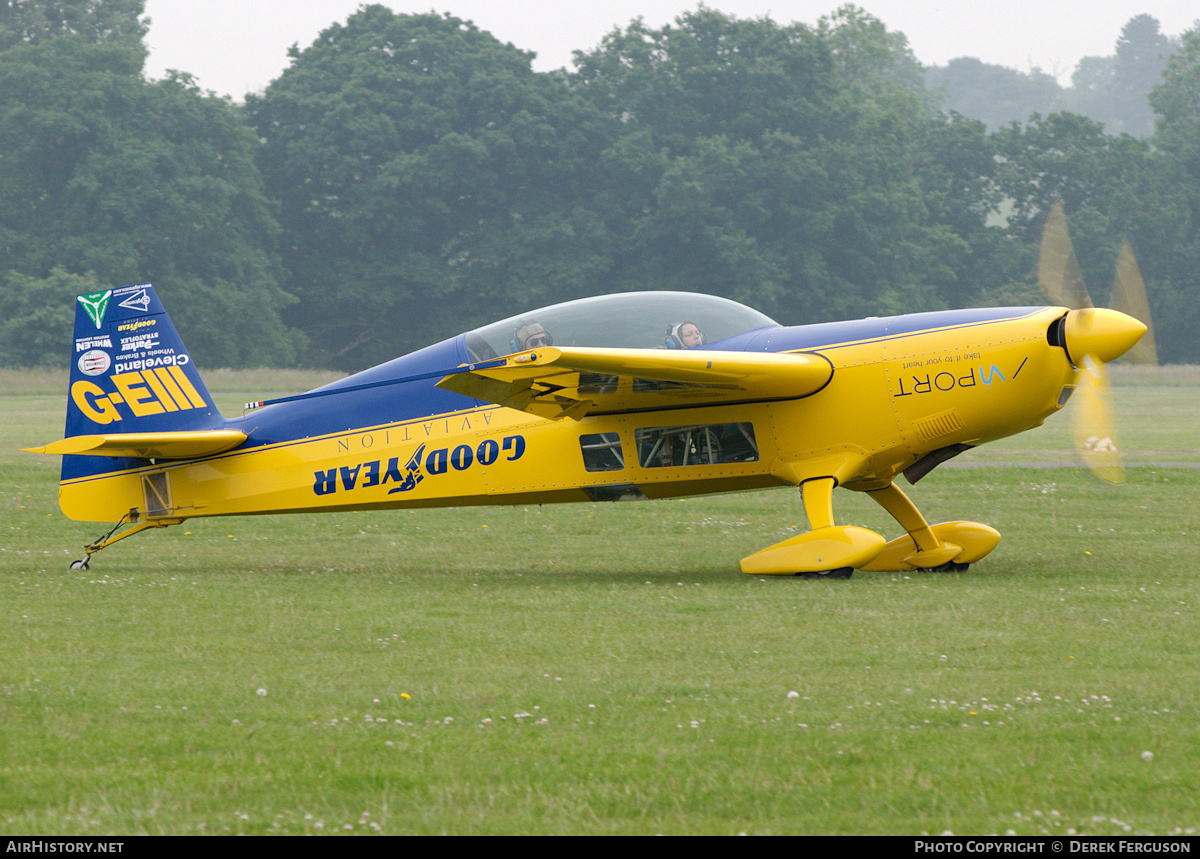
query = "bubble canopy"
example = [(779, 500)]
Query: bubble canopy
[(630, 320)]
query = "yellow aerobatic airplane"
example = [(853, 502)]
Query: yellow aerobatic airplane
[(630, 396)]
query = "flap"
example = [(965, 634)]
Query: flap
[(148, 445), (576, 382)]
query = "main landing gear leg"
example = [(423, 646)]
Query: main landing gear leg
[(108, 539), (949, 546), (826, 551)]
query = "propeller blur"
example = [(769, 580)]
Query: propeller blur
[(1094, 337)]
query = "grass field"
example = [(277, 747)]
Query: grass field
[(604, 669)]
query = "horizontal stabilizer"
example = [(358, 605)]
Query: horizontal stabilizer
[(576, 382), (148, 445)]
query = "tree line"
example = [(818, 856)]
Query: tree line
[(410, 176), (1111, 90)]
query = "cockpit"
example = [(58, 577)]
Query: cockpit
[(631, 320)]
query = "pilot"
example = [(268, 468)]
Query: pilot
[(531, 335), (684, 335)]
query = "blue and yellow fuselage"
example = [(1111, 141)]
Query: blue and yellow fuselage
[(899, 388), (483, 418)]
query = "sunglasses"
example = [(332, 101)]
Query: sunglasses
[(537, 340)]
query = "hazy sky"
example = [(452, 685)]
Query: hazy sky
[(240, 46)]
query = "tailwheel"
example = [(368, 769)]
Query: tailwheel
[(109, 538)]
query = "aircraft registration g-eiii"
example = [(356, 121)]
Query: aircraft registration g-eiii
[(630, 396)]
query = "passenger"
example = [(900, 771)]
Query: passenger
[(530, 335), (684, 335)]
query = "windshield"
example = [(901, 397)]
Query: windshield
[(631, 320)]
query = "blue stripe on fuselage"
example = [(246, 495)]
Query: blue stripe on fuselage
[(390, 404), (826, 335), (376, 406)]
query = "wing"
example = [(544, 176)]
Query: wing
[(577, 382), (148, 445)]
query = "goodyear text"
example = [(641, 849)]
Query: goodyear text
[(419, 465)]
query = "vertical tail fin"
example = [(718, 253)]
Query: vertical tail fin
[(130, 372)]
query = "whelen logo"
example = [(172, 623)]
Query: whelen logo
[(95, 362), (145, 393)]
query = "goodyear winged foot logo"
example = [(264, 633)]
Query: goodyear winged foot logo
[(95, 304), (414, 475)]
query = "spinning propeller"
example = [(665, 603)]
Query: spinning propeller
[(1093, 337)]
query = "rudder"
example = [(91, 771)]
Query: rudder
[(130, 372)]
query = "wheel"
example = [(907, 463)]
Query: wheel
[(839, 573), (80, 565), (948, 567)]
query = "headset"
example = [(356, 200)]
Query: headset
[(674, 341), (525, 331)]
